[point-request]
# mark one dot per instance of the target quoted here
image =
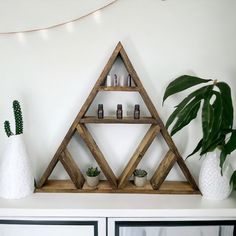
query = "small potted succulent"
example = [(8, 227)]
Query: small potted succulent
[(92, 176), (140, 177)]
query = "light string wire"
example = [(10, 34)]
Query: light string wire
[(60, 24)]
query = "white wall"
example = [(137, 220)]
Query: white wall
[(51, 74)]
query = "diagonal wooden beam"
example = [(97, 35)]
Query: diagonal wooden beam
[(82, 112), (180, 160), (72, 169), (96, 152), (138, 83), (155, 114), (99, 82), (138, 155), (163, 170), (48, 171)]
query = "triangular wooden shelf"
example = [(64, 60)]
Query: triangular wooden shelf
[(157, 183)]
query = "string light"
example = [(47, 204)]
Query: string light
[(68, 24)]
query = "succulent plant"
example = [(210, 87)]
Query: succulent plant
[(18, 120), (93, 171), (140, 173)]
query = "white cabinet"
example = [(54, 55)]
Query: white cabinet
[(117, 215), (59, 227), (168, 227)]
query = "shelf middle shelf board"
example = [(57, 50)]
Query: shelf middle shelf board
[(114, 120), (119, 88)]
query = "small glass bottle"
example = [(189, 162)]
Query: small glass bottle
[(100, 111), (115, 80), (136, 111), (108, 81), (119, 112), (129, 83)]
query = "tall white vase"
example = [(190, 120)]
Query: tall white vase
[(212, 184), (16, 177)]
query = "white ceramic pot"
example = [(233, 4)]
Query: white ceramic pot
[(16, 176), (92, 181), (140, 181), (212, 184)]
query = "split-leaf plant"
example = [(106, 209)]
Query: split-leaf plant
[(214, 100), (18, 120)]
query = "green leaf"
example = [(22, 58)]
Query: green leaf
[(186, 115), (217, 113), (212, 144), (197, 148), (230, 146), (199, 92), (223, 155), (227, 104), (215, 135), (182, 83), (233, 180), (207, 117)]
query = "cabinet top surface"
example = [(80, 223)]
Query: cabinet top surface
[(118, 205)]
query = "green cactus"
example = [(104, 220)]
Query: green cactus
[(7, 128), (18, 117), (18, 120)]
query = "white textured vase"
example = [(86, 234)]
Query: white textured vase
[(16, 177), (212, 184)]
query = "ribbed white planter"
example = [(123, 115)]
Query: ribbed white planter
[(92, 181), (140, 181), (16, 177), (212, 184)]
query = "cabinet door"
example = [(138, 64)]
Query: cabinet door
[(90, 227), (158, 227)]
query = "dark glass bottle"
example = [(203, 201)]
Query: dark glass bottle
[(136, 111), (119, 112), (115, 80), (129, 83), (100, 111)]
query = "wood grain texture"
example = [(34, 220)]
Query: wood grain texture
[(99, 82), (119, 89), (67, 186), (96, 152), (163, 170), (180, 160), (124, 185), (48, 171), (138, 155), (72, 169), (114, 120), (155, 114)]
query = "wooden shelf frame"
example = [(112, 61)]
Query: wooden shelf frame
[(114, 120), (118, 89), (122, 184), (168, 187)]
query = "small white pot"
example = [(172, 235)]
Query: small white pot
[(16, 177), (140, 181), (212, 184), (92, 181)]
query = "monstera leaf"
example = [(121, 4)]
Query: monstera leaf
[(215, 102)]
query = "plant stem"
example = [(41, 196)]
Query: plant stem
[(215, 82)]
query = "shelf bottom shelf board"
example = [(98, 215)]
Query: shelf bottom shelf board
[(168, 187)]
